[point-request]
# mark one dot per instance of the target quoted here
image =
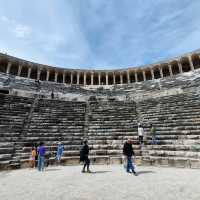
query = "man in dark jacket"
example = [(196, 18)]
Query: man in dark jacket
[(84, 156), (128, 152)]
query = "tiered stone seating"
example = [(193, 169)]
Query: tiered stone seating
[(177, 121), (110, 123), (13, 114), (53, 121)]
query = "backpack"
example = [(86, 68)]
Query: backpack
[(82, 156)]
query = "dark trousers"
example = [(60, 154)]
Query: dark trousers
[(141, 139), (86, 163)]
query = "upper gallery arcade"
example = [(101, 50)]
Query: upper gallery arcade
[(169, 68)]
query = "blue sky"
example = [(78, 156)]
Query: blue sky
[(99, 34)]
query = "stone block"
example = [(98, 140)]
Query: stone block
[(115, 160), (179, 162), (195, 164), (102, 160), (70, 160), (161, 161), (137, 160), (25, 163)]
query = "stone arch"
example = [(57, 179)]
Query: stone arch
[(140, 76), (148, 74), (103, 78), (132, 76), (196, 61), (95, 79), (3, 65), (88, 78), (81, 78), (117, 78), (124, 77), (110, 78), (74, 81), (14, 69), (33, 73), (156, 72), (67, 78), (60, 77), (24, 71), (43, 75), (185, 64), (52, 76), (165, 70), (175, 68)]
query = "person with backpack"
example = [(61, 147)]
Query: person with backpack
[(59, 152), (84, 153), (128, 152)]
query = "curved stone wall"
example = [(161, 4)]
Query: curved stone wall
[(169, 68)]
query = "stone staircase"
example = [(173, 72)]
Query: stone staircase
[(13, 113), (177, 121), (110, 123), (106, 124), (56, 121)]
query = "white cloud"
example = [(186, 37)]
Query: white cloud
[(22, 31)]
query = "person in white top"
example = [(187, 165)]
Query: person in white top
[(140, 134)]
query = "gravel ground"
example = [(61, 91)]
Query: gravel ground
[(105, 183)]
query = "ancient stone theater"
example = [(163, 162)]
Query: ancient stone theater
[(52, 104)]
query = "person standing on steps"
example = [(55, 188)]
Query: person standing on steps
[(153, 134), (52, 94), (84, 153), (128, 152), (59, 152), (140, 134), (41, 154)]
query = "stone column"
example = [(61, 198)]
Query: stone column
[(114, 78), (78, 78), (106, 78), (8, 67), (161, 72), (92, 78), (121, 78), (170, 70), (84, 79), (47, 78), (71, 78), (152, 74), (29, 72), (99, 77), (64, 77), (191, 63), (56, 77), (128, 77), (38, 74), (180, 67), (136, 77), (19, 70), (144, 75)]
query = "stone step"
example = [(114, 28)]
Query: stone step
[(171, 161)]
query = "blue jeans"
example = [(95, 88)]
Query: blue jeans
[(40, 163), (153, 139), (129, 164)]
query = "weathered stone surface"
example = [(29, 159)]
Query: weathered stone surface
[(106, 117)]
